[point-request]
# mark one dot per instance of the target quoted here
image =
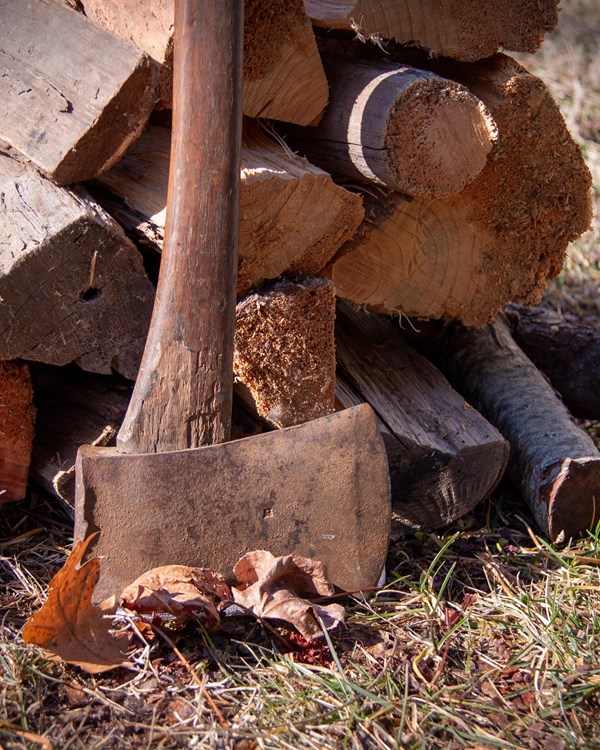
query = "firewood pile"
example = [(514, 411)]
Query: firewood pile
[(402, 181)]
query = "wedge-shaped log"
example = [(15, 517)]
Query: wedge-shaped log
[(70, 109), (567, 353), (284, 351), (463, 30), (500, 238), (398, 126), (17, 415), (444, 457), (73, 287), (553, 461), (293, 217), (283, 75)]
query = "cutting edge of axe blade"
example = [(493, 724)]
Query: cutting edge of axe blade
[(320, 489)]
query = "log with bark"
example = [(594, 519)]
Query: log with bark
[(72, 109), (460, 29), (72, 286), (408, 129), (444, 457), (284, 355), (283, 75), (499, 239), (17, 415), (567, 353), (293, 217), (554, 463)]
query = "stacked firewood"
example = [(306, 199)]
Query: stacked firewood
[(393, 160)]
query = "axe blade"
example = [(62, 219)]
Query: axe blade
[(320, 489)]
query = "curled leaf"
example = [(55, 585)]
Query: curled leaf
[(178, 593), (270, 586), (68, 625)]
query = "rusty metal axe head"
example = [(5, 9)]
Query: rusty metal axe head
[(174, 490)]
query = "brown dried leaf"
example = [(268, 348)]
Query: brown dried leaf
[(68, 625), (269, 587), (178, 593)]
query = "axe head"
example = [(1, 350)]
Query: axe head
[(320, 490)]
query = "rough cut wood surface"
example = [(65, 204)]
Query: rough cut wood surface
[(16, 429), (567, 353), (293, 217), (398, 126), (500, 238), (72, 109), (284, 355), (463, 30), (444, 456), (72, 285), (553, 461), (283, 75)]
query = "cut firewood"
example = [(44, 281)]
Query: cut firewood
[(444, 456), (398, 126), (72, 109), (567, 353), (553, 461), (72, 286), (74, 408), (464, 30), (16, 429), (500, 238), (293, 217), (284, 356), (283, 75)]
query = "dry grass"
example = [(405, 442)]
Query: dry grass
[(484, 637)]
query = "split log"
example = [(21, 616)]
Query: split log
[(293, 217), (74, 408), (463, 30), (500, 238), (70, 109), (553, 461), (16, 429), (398, 126), (567, 353), (444, 456), (283, 75), (284, 355), (72, 285)]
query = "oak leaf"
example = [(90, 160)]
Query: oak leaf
[(178, 593), (270, 587), (68, 625)]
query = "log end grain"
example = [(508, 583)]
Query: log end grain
[(17, 415), (283, 74), (285, 352), (501, 238), (437, 139), (573, 499), (462, 30)]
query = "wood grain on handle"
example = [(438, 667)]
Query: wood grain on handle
[(182, 398)]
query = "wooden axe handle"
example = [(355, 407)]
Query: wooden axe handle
[(182, 397)]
